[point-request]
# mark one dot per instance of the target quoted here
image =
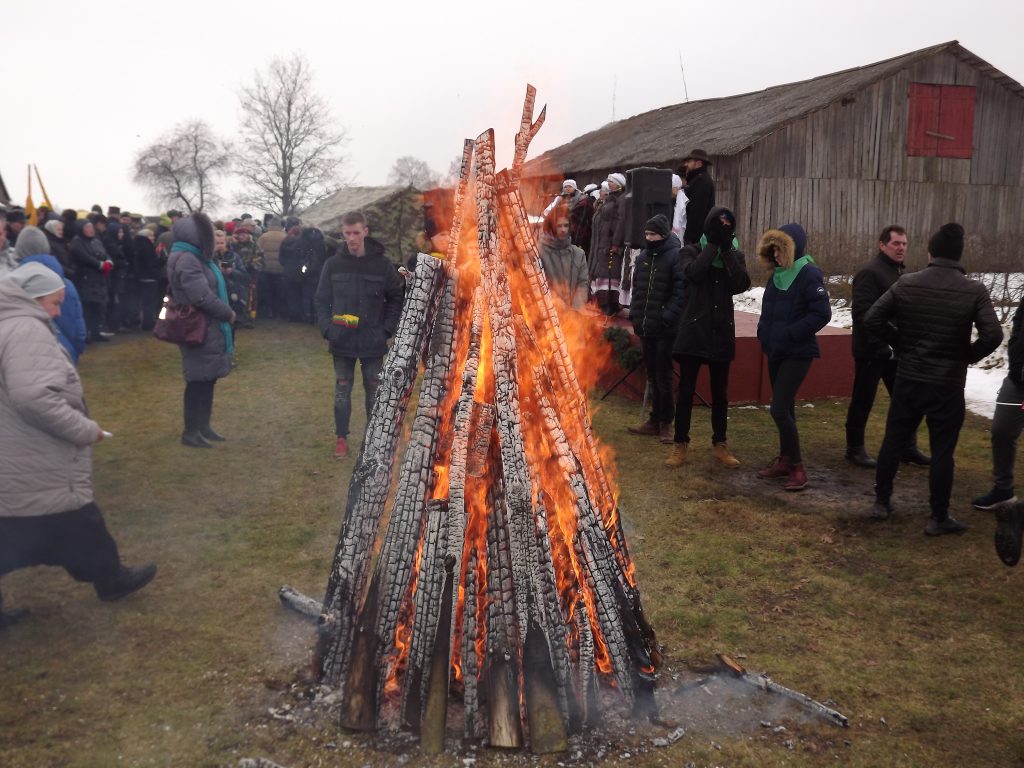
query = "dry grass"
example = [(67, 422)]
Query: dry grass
[(892, 626)]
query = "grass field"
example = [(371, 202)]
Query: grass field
[(918, 641)]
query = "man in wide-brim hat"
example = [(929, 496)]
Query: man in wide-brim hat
[(700, 191)]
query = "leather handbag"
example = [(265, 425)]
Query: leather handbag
[(181, 324)]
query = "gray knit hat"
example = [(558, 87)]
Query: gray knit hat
[(36, 279), (31, 242)]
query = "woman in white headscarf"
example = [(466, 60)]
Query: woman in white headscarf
[(47, 512)]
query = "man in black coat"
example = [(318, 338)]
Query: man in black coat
[(1007, 423), (358, 304), (700, 193), (655, 308), (873, 360), (927, 317), (714, 274)]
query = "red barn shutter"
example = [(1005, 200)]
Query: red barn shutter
[(923, 121), (941, 121), (956, 121)]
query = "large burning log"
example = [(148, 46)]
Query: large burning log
[(497, 567)]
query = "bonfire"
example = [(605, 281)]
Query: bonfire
[(482, 566)]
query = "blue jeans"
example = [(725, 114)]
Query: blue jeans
[(344, 374)]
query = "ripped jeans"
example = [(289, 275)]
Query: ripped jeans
[(344, 374)]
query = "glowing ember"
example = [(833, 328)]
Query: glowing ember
[(500, 571)]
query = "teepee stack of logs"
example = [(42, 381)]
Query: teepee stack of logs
[(482, 559)]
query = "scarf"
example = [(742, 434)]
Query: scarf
[(222, 289), (784, 277), (717, 261)]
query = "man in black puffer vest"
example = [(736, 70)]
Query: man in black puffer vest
[(927, 317), (655, 308), (872, 357)]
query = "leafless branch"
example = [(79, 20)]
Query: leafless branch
[(289, 156), (181, 166)]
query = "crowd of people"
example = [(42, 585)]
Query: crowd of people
[(916, 333), (77, 278)]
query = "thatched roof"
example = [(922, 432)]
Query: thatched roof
[(726, 126), (328, 212)]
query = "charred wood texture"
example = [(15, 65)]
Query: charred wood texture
[(502, 562), (371, 477), (415, 479)]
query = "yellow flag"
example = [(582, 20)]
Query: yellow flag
[(30, 209)]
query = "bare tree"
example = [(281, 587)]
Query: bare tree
[(409, 171), (451, 179), (290, 147), (181, 166)]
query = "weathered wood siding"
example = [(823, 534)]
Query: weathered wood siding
[(843, 172)]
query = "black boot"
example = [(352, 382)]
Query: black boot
[(857, 455), (208, 434), (914, 456), (194, 439), (128, 580), (192, 436)]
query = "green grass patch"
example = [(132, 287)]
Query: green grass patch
[(917, 640)]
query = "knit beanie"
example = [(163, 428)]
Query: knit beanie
[(796, 232), (36, 280), (31, 242), (658, 224), (618, 178), (52, 224), (947, 243), (570, 183)]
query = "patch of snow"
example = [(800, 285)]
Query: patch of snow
[(984, 378)]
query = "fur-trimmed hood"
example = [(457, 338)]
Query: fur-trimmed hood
[(782, 246), (776, 249)]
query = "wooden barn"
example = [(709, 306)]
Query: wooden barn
[(393, 214), (932, 136)]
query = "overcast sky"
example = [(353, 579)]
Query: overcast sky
[(88, 85)]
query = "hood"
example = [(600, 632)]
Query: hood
[(776, 243), (31, 241), (47, 261), (371, 246), (14, 302)]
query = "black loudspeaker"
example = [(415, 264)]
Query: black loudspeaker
[(651, 191)]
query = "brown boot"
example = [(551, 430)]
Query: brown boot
[(677, 458), (649, 427), (779, 468), (722, 453), (668, 433), (797, 479)]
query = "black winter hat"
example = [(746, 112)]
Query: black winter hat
[(15, 216), (948, 242), (659, 225)]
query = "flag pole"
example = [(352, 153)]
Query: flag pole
[(42, 187)]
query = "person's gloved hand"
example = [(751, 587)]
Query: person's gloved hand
[(107, 267), (720, 229)]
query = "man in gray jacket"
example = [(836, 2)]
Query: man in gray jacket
[(927, 318)]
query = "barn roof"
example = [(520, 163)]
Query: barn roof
[(328, 212), (726, 126)]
